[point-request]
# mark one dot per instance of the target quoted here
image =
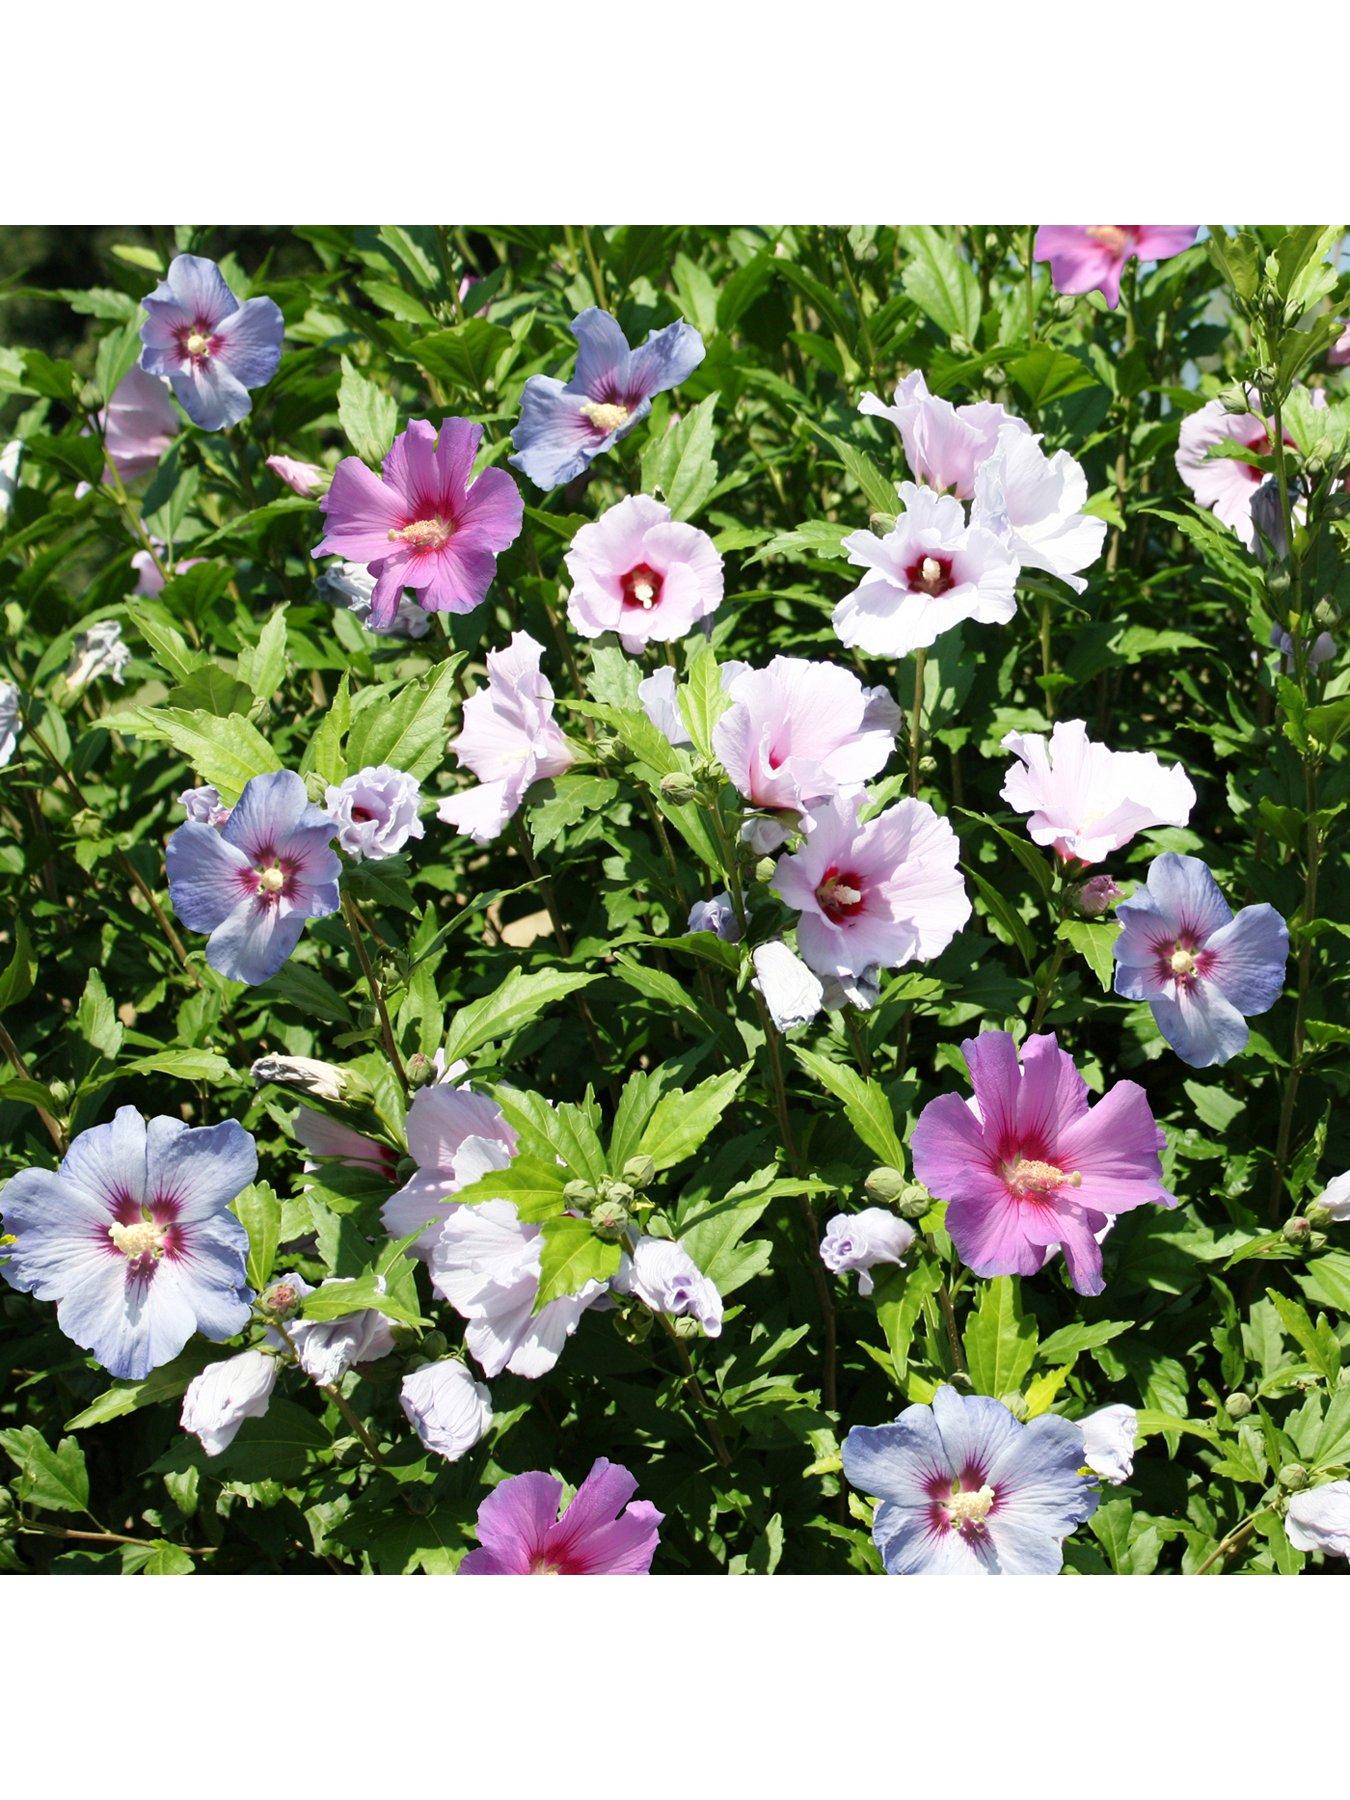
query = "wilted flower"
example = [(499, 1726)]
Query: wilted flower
[(931, 571), (1202, 970), (1319, 1519), (563, 428), (1225, 484), (10, 712), (375, 812), (1033, 505), (456, 1137), (225, 1394), (212, 349), (138, 424), (1108, 1442), (352, 585), (509, 740), (1028, 1167), (1083, 257), (603, 1531), (305, 479), (323, 1136), (1087, 800), (944, 444), (327, 1348), (860, 1240), (133, 1238), (965, 1489), (97, 652), (446, 1407), (791, 992), (717, 915), (642, 574), (423, 523), (204, 805), (663, 1275), (486, 1262), (799, 732), (253, 883), (321, 1080), (880, 893), (1335, 1197)]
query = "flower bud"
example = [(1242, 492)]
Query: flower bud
[(421, 1070), (1297, 1231), (765, 868), (302, 478), (885, 1185), (709, 771), (580, 1195), (928, 765), (679, 788), (434, 1346), (639, 1172), (914, 1202), (316, 788), (1271, 540), (634, 1324), (63, 1093), (87, 824), (1292, 1477), (609, 1219), (283, 1299), (1237, 1405), (319, 1080), (686, 1326), (620, 1192), (1319, 1217), (1016, 1405), (1096, 896)]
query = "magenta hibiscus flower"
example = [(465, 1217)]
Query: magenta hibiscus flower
[(1027, 1167), (422, 523), (1083, 257), (604, 1531)]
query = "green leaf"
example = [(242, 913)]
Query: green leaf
[(158, 1558), (408, 732), (324, 755), (1072, 1340), (53, 1480), (1044, 374), (1333, 1443), (386, 1286), (167, 645), (96, 1018), (866, 1106), (258, 1210), (20, 972), (226, 753), (1002, 909), (1093, 943), (899, 1296), (680, 464), (518, 1001), (940, 282), (681, 1121), (703, 699), (464, 356), (263, 666), (165, 1383), (533, 1186), (366, 413), (570, 1256), (1317, 1342), (999, 1339)]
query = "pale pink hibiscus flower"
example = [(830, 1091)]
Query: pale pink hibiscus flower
[(510, 740), (1083, 257), (1087, 800), (138, 424), (642, 574), (1028, 1167), (455, 1137), (944, 444), (879, 894), (931, 571), (1225, 484), (423, 523), (798, 732)]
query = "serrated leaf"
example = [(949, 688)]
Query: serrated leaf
[(514, 1004), (367, 414), (866, 1105), (258, 1210), (52, 1480), (681, 1121), (409, 731), (999, 1339), (570, 1256)]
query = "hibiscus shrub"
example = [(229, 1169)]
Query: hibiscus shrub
[(675, 900)]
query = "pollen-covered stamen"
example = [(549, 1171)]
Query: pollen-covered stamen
[(605, 415), (542, 1566), (1029, 1179), (424, 534), (840, 894), (642, 588), (930, 575), (143, 1239), (1114, 238), (970, 1506), (272, 879), (1182, 961)]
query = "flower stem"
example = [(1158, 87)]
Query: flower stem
[(916, 720), (697, 1389), (54, 1130), (1234, 1541), (376, 991)]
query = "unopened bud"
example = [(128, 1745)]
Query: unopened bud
[(1237, 1405), (765, 868), (685, 1327), (1292, 1477), (421, 1070), (885, 1185), (320, 1080), (639, 1172), (679, 788), (317, 788), (281, 1301), (63, 1093), (609, 1219), (1096, 896), (1016, 1405), (1297, 1232), (433, 1346), (579, 1195), (1318, 1216), (608, 749), (622, 1193), (710, 771), (928, 765), (88, 824), (914, 1202), (634, 1324)]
